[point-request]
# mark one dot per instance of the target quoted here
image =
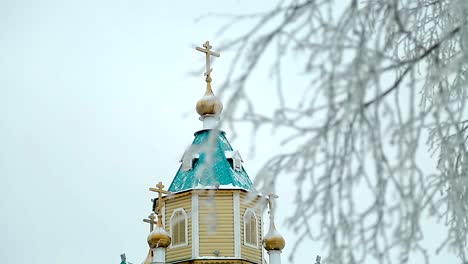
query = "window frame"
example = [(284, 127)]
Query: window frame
[(185, 226), (246, 213), (237, 164), (234, 158)]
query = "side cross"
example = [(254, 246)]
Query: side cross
[(206, 49), (150, 221), (160, 192)]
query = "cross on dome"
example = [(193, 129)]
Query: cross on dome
[(208, 106), (160, 190), (207, 50)]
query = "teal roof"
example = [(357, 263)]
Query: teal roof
[(210, 145)]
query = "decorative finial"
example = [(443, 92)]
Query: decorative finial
[(208, 105)]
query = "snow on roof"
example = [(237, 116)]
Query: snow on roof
[(212, 167)]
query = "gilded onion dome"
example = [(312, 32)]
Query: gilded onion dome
[(273, 239), (209, 104), (159, 238)]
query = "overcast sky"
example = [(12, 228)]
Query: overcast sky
[(96, 105)]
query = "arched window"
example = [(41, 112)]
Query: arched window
[(250, 228), (179, 228)]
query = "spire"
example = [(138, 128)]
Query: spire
[(273, 241), (210, 162), (209, 107)]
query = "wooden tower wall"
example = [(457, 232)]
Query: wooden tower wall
[(182, 200), (216, 223)]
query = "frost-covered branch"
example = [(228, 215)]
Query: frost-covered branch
[(385, 82)]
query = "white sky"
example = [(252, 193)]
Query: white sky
[(95, 107)]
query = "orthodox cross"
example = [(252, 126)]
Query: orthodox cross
[(271, 196), (206, 49), (160, 192), (150, 221)]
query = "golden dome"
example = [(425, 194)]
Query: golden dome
[(274, 243), (159, 238), (209, 104), (273, 240)]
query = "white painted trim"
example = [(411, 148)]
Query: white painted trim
[(159, 255), (237, 232), (195, 234), (216, 257), (262, 231), (210, 121), (275, 256), (186, 227), (256, 228)]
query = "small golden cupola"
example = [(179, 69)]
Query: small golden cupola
[(273, 242), (158, 239), (209, 104), (273, 239)]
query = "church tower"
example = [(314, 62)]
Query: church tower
[(210, 212)]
